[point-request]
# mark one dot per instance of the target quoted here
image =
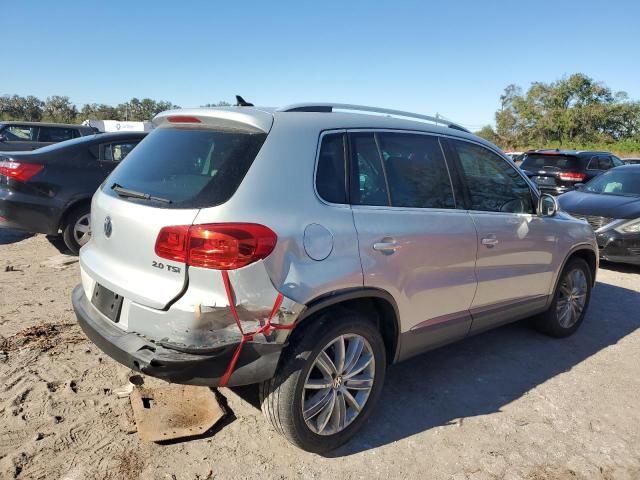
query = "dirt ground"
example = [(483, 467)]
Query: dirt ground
[(509, 404)]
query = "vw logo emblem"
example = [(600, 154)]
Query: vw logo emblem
[(107, 227)]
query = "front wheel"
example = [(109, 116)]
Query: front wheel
[(570, 302), (328, 382)]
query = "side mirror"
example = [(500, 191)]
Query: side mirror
[(3, 138), (579, 186), (548, 205)]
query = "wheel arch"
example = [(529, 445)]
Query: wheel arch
[(377, 303), (70, 207), (584, 251)]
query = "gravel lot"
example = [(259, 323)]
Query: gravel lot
[(509, 404)]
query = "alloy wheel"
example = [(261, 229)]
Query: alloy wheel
[(82, 229), (572, 296), (338, 384)]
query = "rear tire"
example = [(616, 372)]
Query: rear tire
[(570, 301), (76, 230), (320, 396)]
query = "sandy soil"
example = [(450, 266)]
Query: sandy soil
[(509, 404)]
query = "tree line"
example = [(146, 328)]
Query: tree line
[(60, 109), (576, 110)]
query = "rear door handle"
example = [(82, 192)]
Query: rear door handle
[(386, 246), (490, 241)]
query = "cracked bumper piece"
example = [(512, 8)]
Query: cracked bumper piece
[(257, 361)]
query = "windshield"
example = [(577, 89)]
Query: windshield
[(186, 168), (549, 162), (618, 181)]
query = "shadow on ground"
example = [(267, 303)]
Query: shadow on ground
[(8, 236), (620, 267), (482, 374), (59, 244)]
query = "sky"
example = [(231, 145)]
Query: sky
[(450, 57)]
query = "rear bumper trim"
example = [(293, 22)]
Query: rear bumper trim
[(255, 363)]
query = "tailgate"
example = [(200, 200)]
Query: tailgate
[(125, 261)]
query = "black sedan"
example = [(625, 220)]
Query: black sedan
[(49, 190), (611, 205)]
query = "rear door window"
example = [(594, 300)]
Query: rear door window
[(416, 171), (493, 184), (192, 168), (55, 134), (331, 173)]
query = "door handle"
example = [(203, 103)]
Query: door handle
[(387, 246), (490, 241)]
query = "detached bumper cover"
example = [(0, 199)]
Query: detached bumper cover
[(256, 362), (616, 247)]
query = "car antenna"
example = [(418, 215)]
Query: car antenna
[(241, 102)]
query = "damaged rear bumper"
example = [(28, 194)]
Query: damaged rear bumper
[(256, 362)]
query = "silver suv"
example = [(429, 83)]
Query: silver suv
[(306, 248)]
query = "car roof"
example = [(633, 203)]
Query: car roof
[(44, 124), (78, 142), (317, 115), (568, 152)]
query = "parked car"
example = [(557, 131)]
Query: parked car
[(631, 161), (49, 190), (19, 136), (516, 157), (305, 249), (610, 203), (557, 171)]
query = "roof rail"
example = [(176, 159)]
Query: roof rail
[(330, 107)]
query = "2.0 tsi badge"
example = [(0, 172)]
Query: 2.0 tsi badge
[(107, 227)]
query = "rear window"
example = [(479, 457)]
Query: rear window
[(192, 168), (549, 162)]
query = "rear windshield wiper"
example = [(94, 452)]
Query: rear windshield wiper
[(125, 192)]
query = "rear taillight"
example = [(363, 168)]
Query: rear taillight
[(572, 176), (19, 171), (220, 246)]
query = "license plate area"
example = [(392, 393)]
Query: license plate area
[(544, 180), (107, 302)]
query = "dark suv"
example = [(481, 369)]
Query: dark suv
[(558, 171), (17, 136)]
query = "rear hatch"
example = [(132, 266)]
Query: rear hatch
[(552, 170), (178, 169)]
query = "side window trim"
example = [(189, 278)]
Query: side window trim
[(460, 190), (465, 186), (376, 139), (101, 152)]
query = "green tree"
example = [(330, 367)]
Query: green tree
[(95, 111), (15, 107), (488, 133), (59, 109), (573, 110)]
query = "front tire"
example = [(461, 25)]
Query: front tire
[(76, 230), (571, 299), (328, 382)]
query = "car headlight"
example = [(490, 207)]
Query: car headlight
[(632, 226)]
